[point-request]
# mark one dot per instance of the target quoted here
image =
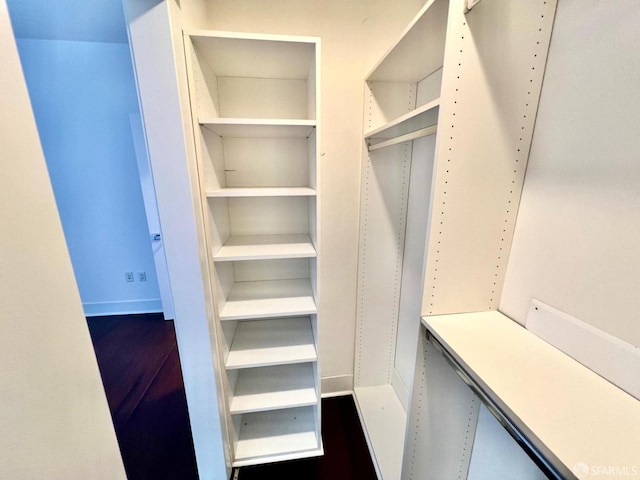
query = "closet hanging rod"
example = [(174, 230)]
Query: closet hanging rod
[(423, 132)]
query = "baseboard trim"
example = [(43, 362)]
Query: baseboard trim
[(336, 385), (126, 307)]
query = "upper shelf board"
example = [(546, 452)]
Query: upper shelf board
[(262, 192), (231, 54), (421, 117), (259, 128), (582, 419), (420, 49)]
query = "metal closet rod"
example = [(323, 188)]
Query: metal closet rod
[(423, 132)]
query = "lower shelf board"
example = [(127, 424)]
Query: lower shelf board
[(269, 388), (384, 421), (278, 341), (276, 435), (269, 298)]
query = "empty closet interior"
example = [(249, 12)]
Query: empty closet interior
[(495, 325)]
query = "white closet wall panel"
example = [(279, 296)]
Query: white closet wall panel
[(414, 256), (494, 63), (385, 192), (576, 240)]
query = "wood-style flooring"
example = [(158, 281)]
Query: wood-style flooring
[(140, 368)]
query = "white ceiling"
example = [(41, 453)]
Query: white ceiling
[(79, 20)]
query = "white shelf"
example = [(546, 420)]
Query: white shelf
[(269, 298), (259, 127), (420, 49), (417, 119), (262, 192), (582, 417), (272, 342), (384, 421), (279, 434), (232, 54), (271, 388), (263, 247)]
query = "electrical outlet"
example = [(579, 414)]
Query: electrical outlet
[(128, 276), (142, 276)]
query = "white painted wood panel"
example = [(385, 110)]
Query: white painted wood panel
[(492, 76), (420, 49), (578, 230), (268, 215), (418, 211), (614, 359), (268, 299), (272, 342), (421, 117), (261, 247), (262, 98), (263, 192), (255, 127), (270, 388), (384, 420)]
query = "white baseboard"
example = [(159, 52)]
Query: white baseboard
[(401, 389), (127, 307), (337, 385)]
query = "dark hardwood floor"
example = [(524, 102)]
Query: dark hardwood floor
[(140, 368)]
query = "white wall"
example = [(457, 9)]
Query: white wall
[(577, 237), (82, 94), (354, 35), (54, 418)]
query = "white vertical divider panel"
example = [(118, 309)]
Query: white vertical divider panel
[(385, 190), (492, 76), (442, 423), (55, 421), (576, 241), (493, 68), (156, 43), (414, 261)]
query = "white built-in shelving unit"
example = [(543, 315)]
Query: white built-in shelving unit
[(402, 103), (448, 120), (255, 111)]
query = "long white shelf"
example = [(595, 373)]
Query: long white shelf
[(262, 192), (272, 342), (258, 127), (271, 388), (384, 421), (567, 413), (270, 298), (421, 117), (278, 434), (263, 247)]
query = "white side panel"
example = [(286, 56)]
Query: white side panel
[(162, 87), (608, 356), (262, 98), (269, 215), (55, 421), (266, 162), (578, 231), (414, 257), (497, 456), (442, 422), (386, 101), (385, 189), (494, 63)]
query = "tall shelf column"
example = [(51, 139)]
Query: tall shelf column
[(254, 103)]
